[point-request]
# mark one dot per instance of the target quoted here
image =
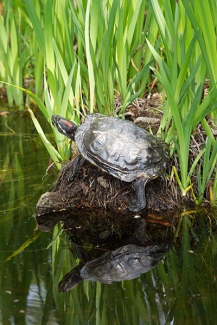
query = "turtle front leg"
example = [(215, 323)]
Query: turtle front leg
[(139, 201), (77, 163)]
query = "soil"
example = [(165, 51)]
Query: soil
[(98, 190)]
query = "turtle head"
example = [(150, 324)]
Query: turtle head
[(64, 126)]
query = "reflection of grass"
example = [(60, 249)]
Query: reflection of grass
[(181, 288), (93, 51), (192, 285), (23, 159)]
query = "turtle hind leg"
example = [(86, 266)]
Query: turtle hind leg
[(77, 163), (139, 201)]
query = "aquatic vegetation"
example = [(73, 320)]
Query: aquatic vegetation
[(77, 57), (182, 286)]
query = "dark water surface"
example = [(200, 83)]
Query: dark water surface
[(181, 289)]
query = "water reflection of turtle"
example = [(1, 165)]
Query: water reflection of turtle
[(125, 263), (119, 148)]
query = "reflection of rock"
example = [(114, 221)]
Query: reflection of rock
[(122, 246), (125, 263), (107, 227), (135, 248), (99, 227)]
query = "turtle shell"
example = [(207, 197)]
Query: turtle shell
[(125, 263), (121, 148)]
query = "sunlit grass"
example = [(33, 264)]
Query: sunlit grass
[(182, 75)]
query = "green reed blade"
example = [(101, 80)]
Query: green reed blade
[(89, 57), (180, 90), (36, 24), (208, 28), (48, 36), (67, 93), (52, 151)]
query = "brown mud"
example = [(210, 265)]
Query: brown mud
[(95, 189)]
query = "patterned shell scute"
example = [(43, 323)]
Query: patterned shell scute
[(121, 148)]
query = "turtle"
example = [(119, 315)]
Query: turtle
[(118, 147), (125, 263)]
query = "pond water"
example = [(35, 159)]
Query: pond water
[(180, 289)]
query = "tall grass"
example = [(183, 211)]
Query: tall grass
[(11, 65), (85, 53), (100, 57), (183, 74)]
